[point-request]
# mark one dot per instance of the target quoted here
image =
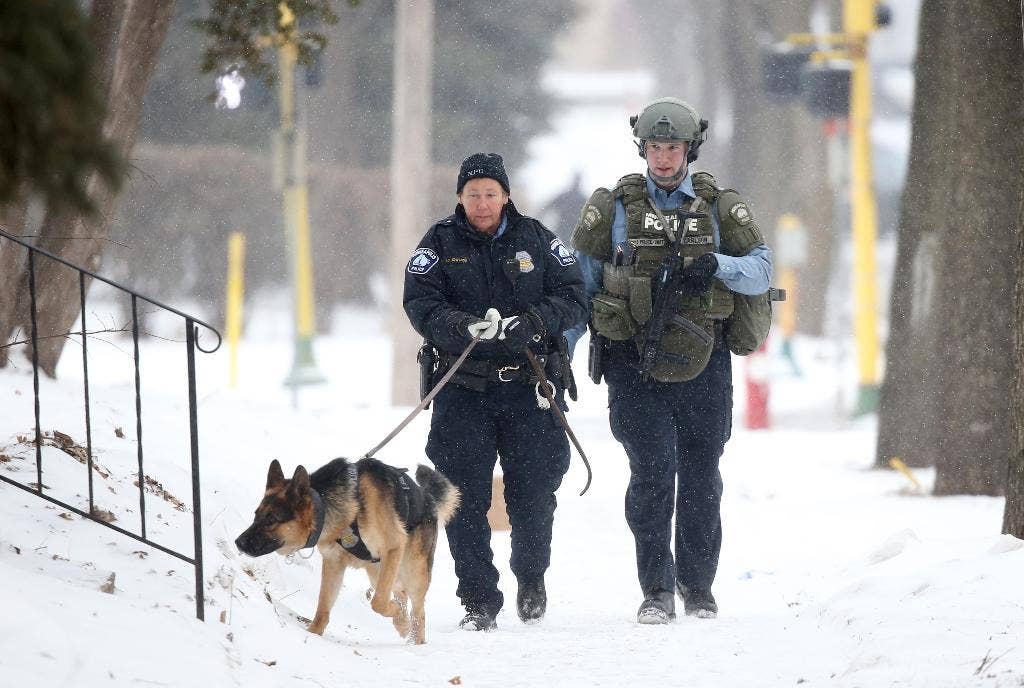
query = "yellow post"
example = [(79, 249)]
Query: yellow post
[(296, 208), (858, 23), (235, 302), (791, 249)]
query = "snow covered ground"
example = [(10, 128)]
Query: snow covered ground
[(831, 573)]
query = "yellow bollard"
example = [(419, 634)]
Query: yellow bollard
[(235, 300), (897, 464)]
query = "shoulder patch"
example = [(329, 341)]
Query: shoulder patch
[(741, 213), (590, 217), (422, 260), (593, 231), (562, 253)]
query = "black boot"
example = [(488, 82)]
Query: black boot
[(532, 601), (659, 607), (697, 602), (477, 619)]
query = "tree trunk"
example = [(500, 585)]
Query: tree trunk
[(778, 150), (1013, 515), (12, 261), (977, 261), (907, 419), (410, 159), (77, 238)]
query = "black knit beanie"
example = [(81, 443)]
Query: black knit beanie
[(480, 165)]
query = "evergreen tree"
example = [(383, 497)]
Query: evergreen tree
[(51, 109)]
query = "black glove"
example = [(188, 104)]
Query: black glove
[(519, 331), (696, 278)]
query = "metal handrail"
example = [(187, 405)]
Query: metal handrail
[(191, 344)]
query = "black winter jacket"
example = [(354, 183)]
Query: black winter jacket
[(457, 270)]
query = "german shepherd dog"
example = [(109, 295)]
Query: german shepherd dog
[(366, 515)]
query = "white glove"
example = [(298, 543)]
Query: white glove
[(488, 327)]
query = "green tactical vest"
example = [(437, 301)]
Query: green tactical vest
[(624, 305)]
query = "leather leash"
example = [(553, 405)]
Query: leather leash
[(557, 410), (426, 400)]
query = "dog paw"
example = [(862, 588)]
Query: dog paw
[(402, 625), (369, 594)]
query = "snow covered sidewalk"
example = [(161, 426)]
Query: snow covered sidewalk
[(831, 573)]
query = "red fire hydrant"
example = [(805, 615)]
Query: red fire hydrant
[(756, 378)]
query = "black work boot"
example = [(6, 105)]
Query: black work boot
[(659, 607), (477, 619), (697, 602), (532, 601)]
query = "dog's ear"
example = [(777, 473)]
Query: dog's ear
[(275, 476), (300, 481)]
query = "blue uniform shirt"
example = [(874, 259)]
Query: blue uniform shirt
[(749, 274)]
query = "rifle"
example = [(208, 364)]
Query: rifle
[(666, 299)]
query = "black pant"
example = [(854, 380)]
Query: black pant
[(672, 432), (468, 431)]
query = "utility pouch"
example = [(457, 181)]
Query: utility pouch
[(747, 328), (611, 317), (685, 347), (640, 299), (427, 358), (595, 363)]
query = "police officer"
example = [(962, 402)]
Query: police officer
[(674, 424), (487, 270)]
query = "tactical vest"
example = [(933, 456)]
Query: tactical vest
[(621, 309)]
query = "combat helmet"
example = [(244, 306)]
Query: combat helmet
[(670, 119)]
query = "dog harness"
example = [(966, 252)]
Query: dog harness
[(410, 505)]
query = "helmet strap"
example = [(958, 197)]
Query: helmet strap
[(670, 182)]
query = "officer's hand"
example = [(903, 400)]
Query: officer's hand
[(487, 328), (519, 331), (696, 278)]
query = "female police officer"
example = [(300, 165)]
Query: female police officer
[(483, 261), (672, 413)]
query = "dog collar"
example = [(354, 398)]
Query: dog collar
[(318, 518)]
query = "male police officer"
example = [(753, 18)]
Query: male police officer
[(481, 262), (674, 419)]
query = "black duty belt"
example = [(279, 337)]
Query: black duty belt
[(494, 371)]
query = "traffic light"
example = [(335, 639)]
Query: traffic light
[(826, 88), (781, 64)]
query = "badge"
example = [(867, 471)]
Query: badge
[(525, 261), (741, 213), (562, 253), (421, 262)]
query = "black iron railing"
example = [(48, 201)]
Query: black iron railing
[(191, 345)]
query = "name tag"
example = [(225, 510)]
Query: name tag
[(643, 241)]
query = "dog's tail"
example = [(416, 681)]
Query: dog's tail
[(445, 495)]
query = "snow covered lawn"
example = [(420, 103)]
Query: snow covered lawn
[(831, 573)]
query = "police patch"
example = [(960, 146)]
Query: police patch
[(421, 262), (562, 253), (741, 213), (525, 261), (591, 216)]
